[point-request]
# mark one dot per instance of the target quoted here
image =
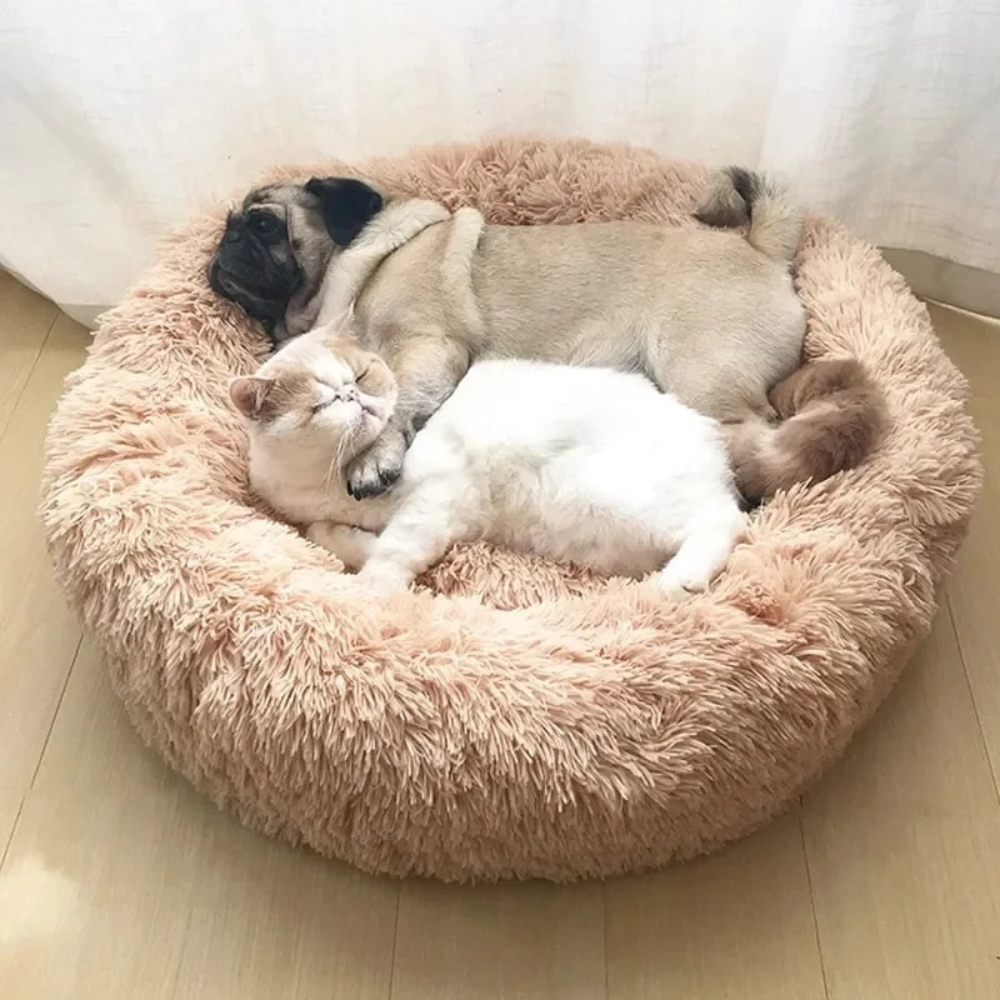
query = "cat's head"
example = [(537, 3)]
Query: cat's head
[(321, 392)]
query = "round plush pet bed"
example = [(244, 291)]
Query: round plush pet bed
[(560, 725)]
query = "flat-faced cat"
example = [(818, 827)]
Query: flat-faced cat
[(582, 465)]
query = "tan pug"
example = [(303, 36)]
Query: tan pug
[(708, 314)]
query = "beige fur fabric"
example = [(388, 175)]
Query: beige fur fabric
[(565, 727)]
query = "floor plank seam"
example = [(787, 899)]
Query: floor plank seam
[(13, 832), (31, 371), (983, 742), (812, 904), (604, 938), (55, 714), (175, 972), (395, 942)]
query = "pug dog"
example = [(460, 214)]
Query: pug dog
[(708, 314)]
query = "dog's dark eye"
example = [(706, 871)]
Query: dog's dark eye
[(262, 224)]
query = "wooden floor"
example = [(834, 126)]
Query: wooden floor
[(119, 882)]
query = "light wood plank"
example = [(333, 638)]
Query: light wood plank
[(92, 738), (38, 635), (151, 895), (254, 918), (522, 941), (732, 926), (268, 921), (974, 590), (973, 343), (902, 846), (95, 893), (25, 321)]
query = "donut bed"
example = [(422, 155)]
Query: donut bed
[(510, 717)]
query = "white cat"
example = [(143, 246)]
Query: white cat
[(583, 465)]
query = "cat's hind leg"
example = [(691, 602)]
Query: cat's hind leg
[(703, 552)]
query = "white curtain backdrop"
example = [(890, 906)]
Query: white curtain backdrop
[(119, 118)]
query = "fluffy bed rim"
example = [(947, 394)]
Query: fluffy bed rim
[(564, 727)]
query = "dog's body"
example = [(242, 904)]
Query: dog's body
[(710, 316)]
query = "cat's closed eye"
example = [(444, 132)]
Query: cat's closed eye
[(328, 394)]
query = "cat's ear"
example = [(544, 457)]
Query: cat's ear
[(249, 393)]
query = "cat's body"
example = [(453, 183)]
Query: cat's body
[(582, 465)]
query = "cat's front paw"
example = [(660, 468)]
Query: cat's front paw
[(375, 470)]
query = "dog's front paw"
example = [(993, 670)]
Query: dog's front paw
[(375, 470)]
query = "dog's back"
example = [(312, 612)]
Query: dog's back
[(706, 314)]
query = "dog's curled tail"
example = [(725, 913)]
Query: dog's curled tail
[(737, 196), (831, 417)]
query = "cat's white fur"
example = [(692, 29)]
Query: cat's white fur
[(583, 465)]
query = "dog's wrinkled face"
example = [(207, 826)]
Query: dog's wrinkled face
[(256, 264), (280, 241)]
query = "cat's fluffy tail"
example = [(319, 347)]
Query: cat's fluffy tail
[(831, 417), (737, 196)]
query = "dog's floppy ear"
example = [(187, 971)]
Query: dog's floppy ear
[(348, 205)]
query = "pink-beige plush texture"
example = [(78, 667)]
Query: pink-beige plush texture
[(564, 726)]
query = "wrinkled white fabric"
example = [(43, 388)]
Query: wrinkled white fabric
[(119, 119)]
